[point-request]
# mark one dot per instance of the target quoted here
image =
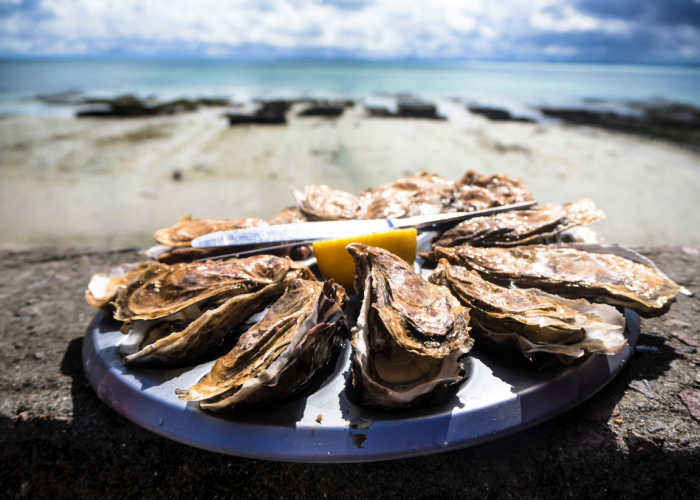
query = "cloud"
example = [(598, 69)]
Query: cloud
[(584, 30)]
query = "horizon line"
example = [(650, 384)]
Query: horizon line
[(333, 59)]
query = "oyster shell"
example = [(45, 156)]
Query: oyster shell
[(103, 287), (176, 314), (532, 225), (475, 191), (175, 255), (536, 320), (279, 354), (199, 227), (188, 228), (572, 272), (422, 193), (162, 290), (289, 215), (325, 203), (184, 337), (409, 334)]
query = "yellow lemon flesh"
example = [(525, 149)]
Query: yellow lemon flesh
[(335, 262)]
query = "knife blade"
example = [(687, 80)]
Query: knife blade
[(321, 230)]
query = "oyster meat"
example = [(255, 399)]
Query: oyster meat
[(535, 320), (409, 334), (175, 314), (278, 355), (570, 271), (518, 227)]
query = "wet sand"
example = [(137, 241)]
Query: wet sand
[(111, 182)]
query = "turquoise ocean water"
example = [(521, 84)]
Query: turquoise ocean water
[(508, 84)]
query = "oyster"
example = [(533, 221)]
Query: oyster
[(177, 255), (570, 271), (518, 227), (325, 203), (188, 228), (175, 314), (199, 227), (280, 353), (422, 193), (104, 287), (409, 334), (289, 215), (475, 191), (536, 320), (185, 336), (162, 290)]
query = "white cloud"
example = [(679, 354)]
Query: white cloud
[(560, 50), (365, 28), (382, 28)]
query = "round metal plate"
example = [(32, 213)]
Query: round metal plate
[(325, 426)]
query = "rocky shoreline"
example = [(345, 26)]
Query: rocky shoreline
[(672, 121), (655, 118)]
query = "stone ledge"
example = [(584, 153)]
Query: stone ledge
[(59, 440)]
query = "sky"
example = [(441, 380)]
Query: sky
[(630, 31)]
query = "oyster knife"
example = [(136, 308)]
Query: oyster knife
[(321, 230)]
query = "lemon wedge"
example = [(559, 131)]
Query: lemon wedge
[(335, 262)]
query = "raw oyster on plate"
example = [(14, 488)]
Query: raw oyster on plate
[(520, 227), (409, 334), (175, 314), (288, 215), (535, 320), (475, 191), (321, 202), (175, 241), (277, 356), (188, 228), (103, 287), (565, 270), (422, 193)]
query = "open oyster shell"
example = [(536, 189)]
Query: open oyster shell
[(175, 314), (475, 191), (279, 354), (103, 287), (409, 334), (518, 227), (570, 271), (325, 203), (288, 215), (176, 240), (535, 320), (188, 228), (184, 337), (422, 193), (162, 290)]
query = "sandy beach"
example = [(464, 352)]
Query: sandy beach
[(112, 182)]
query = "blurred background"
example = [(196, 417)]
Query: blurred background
[(115, 120)]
